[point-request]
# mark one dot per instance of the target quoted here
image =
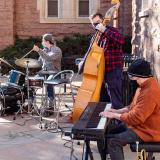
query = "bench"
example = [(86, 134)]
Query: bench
[(149, 147)]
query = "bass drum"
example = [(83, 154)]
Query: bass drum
[(9, 97)]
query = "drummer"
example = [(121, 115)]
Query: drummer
[(50, 59)]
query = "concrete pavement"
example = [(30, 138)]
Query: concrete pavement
[(23, 139)]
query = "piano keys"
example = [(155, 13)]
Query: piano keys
[(90, 124)]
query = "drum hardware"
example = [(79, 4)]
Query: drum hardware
[(46, 73), (36, 82), (5, 62), (31, 107), (16, 78), (3, 79), (9, 98)]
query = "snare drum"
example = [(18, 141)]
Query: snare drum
[(16, 77), (36, 81)]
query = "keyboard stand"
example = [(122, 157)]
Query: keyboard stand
[(87, 150)]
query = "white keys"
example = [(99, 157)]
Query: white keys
[(103, 120)]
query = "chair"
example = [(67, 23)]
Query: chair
[(149, 147), (62, 87)]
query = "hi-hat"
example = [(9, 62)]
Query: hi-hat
[(4, 61), (32, 63)]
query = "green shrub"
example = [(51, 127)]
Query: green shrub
[(20, 48), (72, 46)]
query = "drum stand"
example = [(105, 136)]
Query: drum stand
[(32, 107)]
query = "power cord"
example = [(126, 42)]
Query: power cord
[(69, 143)]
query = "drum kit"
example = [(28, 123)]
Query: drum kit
[(21, 82)]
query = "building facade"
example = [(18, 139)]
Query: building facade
[(25, 18), (146, 32)]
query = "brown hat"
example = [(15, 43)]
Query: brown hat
[(49, 37)]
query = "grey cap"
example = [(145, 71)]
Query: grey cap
[(49, 37)]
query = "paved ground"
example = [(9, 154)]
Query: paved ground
[(23, 139)]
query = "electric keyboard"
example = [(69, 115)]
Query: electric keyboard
[(90, 124)]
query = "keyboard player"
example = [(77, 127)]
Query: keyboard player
[(138, 119)]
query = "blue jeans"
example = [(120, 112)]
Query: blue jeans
[(117, 136), (50, 91)]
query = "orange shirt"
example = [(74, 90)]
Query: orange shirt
[(144, 114)]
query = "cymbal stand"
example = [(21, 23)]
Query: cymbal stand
[(28, 88), (31, 105), (21, 109)]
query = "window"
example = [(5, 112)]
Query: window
[(67, 11), (144, 9), (83, 8), (52, 8), (144, 5)]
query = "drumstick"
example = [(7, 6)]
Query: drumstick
[(27, 53)]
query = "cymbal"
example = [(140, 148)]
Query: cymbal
[(32, 63), (4, 61)]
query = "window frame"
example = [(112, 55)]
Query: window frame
[(144, 10), (60, 19), (144, 5)]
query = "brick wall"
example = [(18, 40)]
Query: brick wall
[(146, 34), (28, 22), (6, 23), (125, 17), (26, 18)]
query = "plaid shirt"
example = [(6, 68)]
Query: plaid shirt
[(111, 40)]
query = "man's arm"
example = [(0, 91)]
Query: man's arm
[(110, 115), (111, 33), (122, 110), (53, 54)]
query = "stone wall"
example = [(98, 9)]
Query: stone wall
[(146, 33), (124, 17)]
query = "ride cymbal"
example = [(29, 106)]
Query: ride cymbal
[(23, 62)]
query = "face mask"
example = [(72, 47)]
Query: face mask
[(94, 25), (43, 44)]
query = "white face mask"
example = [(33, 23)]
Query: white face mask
[(43, 44)]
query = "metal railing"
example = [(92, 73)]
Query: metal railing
[(128, 86)]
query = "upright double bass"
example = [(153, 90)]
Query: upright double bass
[(93, 72)]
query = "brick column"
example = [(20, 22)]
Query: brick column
[(6, 23)]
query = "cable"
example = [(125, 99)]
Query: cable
[(70, 142)]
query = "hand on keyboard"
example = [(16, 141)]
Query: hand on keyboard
[(111, 115)]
